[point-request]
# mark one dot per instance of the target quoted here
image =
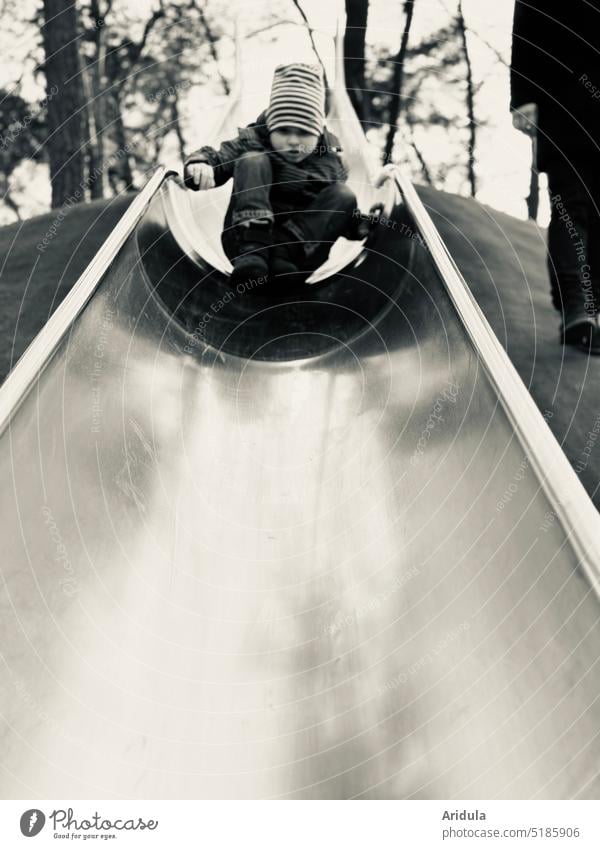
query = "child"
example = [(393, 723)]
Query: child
[(290, 201)]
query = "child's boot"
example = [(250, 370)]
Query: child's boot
[(251, 263), (250, 266), (286, 259)]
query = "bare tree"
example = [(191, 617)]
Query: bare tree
[(65, 101), (109, 60), (419, 156), (533, 198), (95, 84), (470, 99), (212, 40), (397, 81), (22, 139), (312, 39), (357, 14)]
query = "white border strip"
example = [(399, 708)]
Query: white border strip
[(39, 352), (569, 500)]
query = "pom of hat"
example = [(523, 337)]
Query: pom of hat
[(297, 98)]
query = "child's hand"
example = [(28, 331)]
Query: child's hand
[(385, 173), (363, 224), (199, 175), (525, 118)]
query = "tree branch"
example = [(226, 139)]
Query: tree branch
[(357, 18), (134, 51), (212, 44), (312, 40), (397, 80), (460, 22), (423, 165), (177, 126)]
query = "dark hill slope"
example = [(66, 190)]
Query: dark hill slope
[(503, 261), (34, 282)]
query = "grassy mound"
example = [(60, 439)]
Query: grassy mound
[(34, 278), (504, 262)]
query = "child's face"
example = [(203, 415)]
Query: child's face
[(293, 143)]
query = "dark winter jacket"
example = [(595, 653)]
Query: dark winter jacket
[(556, 64), (294, 184)]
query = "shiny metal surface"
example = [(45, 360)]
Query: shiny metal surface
[(231, 578), (570, 503), (327, 576)]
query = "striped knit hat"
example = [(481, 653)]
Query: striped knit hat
[(297, 98)]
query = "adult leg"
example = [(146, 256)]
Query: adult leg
[(252, 181), (247, 232), (594, 238), (569, 250)]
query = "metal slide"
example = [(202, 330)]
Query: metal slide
[(322, 545)]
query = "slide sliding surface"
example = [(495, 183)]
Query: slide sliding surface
[(318, 567)]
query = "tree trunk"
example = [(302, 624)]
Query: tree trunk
[(97, 183), (177, 126), (122, 169), (397, 81), (212, 43), (7, 197), (357, 13), (420, 158), (460, 21), (97, 103), (533, 198), (92, 158), (65, 101)]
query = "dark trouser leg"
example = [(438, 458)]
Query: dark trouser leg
[(316, 228), (249, 217), (594, 237), (570, 234)]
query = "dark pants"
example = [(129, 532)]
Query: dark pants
[(315, 227), (574, 237)]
